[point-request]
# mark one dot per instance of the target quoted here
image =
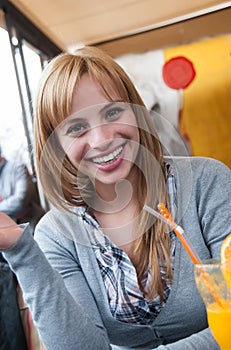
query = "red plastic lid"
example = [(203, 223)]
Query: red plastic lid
[(178, 72)]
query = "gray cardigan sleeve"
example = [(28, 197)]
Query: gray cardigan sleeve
[(203, 340), (45, 293)]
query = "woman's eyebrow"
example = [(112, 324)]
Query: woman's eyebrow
[(106, 106), (70, 121)]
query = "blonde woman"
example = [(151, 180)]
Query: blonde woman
[(102, 272)]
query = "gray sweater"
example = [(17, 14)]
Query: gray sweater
[(69, 303)]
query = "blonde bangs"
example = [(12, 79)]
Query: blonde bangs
[(57, 86)]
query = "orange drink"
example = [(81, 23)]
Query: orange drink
[(219, 320), (216, 295)]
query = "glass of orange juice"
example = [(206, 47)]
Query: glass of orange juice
[(216, 295)]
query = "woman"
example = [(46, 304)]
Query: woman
[(111, 274)]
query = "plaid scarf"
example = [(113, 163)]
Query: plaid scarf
[(126, 300)]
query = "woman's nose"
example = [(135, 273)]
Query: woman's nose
[(100, 136)]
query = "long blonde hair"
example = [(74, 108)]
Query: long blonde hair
[(58, 175)]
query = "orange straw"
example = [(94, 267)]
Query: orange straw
[(165, 216), (180, 233)]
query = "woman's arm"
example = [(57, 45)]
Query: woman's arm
[(200, 341), (61, 322)]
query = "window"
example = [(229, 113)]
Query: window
[(24, 51)]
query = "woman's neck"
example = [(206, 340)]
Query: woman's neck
[(116, 208), (111, 199), (119, 223)]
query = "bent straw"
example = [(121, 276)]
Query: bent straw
[(166, 217), (180, 234)]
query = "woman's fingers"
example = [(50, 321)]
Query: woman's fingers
[(5, 220), (10, 232)]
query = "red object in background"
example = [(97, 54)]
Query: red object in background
[(178, 72), (0, 198)]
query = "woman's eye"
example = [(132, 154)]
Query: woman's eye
[(76, 130), (114, 113)]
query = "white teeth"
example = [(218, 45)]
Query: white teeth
[(109, 157)]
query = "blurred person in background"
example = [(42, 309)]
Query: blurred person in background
[(12, 335), (18, 193)]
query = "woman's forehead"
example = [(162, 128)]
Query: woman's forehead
[(89, 92)]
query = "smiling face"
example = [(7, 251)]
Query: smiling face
[(100, 137)]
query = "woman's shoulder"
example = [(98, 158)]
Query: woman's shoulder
[(198, 164), (200, 174), (60, 225)]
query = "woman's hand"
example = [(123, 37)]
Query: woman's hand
[(10, 232)]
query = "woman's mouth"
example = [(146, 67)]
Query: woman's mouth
[(109, 158)]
